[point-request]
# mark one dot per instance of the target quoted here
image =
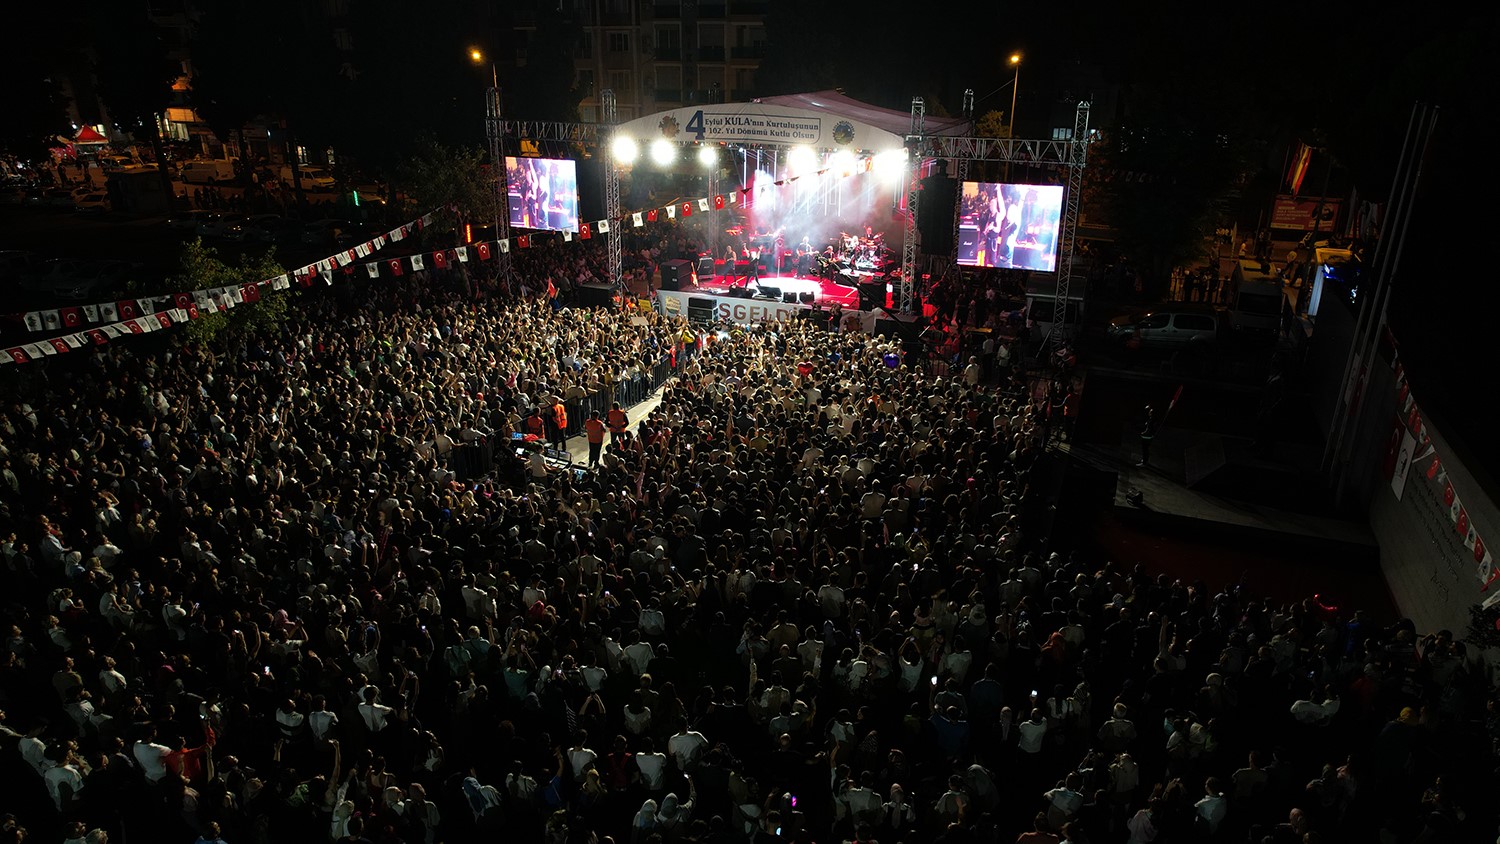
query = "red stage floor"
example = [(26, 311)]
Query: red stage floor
[(825, 292)]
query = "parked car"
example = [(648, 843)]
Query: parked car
[(325, 232), (51, 198), (1168, 328), (188, 221), (94, 201), (267, 228), (15, 263), (222, 226)]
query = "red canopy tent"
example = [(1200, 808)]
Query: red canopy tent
[(88, 135)]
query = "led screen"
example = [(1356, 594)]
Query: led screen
[(543, 193), (1012, 226)]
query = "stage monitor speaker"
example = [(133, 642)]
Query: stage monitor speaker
[(789, 297), (700, 309), (765, 292), (871, 296), (705, 266), (596, 296), (676, 275)]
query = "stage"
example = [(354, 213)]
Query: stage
[(822, 292)]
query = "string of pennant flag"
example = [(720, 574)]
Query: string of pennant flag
[(1410, 421), (100, 322)]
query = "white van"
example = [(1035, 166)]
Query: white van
[(208, 172), (1259, 297), (313, 177)]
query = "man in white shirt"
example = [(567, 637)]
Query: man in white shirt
[(580, 758), (63, 784), (321, 722), (1213, 807), (373, 714), (152, 757), (637, 655), (1032, 732), (686, 746), (652, 765)]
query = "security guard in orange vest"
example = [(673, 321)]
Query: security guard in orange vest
[(594, 428), (618, 422), (560, 420)]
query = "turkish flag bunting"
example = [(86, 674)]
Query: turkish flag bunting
[(1448, 493), (396, 268), (134, 327), (373, 270), (1414, 420), (19, 355), (165, 319), (687, 209), (719, 202), (440, 259), (484, 251), (651, 216), (1478, 549), (192, 310), (72, 317), (251, 292), (128, 309), (98, 337), (59, 344), (182, 299), (584, 231), (1462, 525), (524, 241), (1432, 468)]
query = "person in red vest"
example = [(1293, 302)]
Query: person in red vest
[(559, 430), (534, 424), (618, 422), (594, 429)]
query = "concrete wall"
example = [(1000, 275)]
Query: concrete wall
[(1431, 572)]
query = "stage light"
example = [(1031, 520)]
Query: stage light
[(625, 149), (708, 156), (842, 163), (801, 159), (891, 164), (663, 151)]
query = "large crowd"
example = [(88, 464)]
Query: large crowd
[(809, 596)]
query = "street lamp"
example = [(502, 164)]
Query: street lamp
[(1015, 84)]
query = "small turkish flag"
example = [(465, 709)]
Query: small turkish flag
[(72, 317), (98, 337), (584, 232), (60, 345), (1448, 493), (1414, 420), (251, 292), (1478, 549), (1462, 525), (183, 299), (719, 202), (165, 321), (192, 310), (128, 309), (134, 327), (484, 251), (687, 209), (651, 216), (19, 355), (396, 268), (1433, 467), (524, 241), (440, 259)]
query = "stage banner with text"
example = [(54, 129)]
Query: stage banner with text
[(1298, 213), (756, 123), (676, 303)]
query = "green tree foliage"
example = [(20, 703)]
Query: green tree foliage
[(439, 176), (201, 267)]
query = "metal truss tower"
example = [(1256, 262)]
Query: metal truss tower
[(1077, 161), (495, 129), (963, 176), (612, 195), (906, 286)]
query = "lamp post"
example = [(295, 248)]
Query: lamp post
[(1015, 84), (493, 130)]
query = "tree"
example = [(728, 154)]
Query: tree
[(200, 267), (439, 176), (135, 75)]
